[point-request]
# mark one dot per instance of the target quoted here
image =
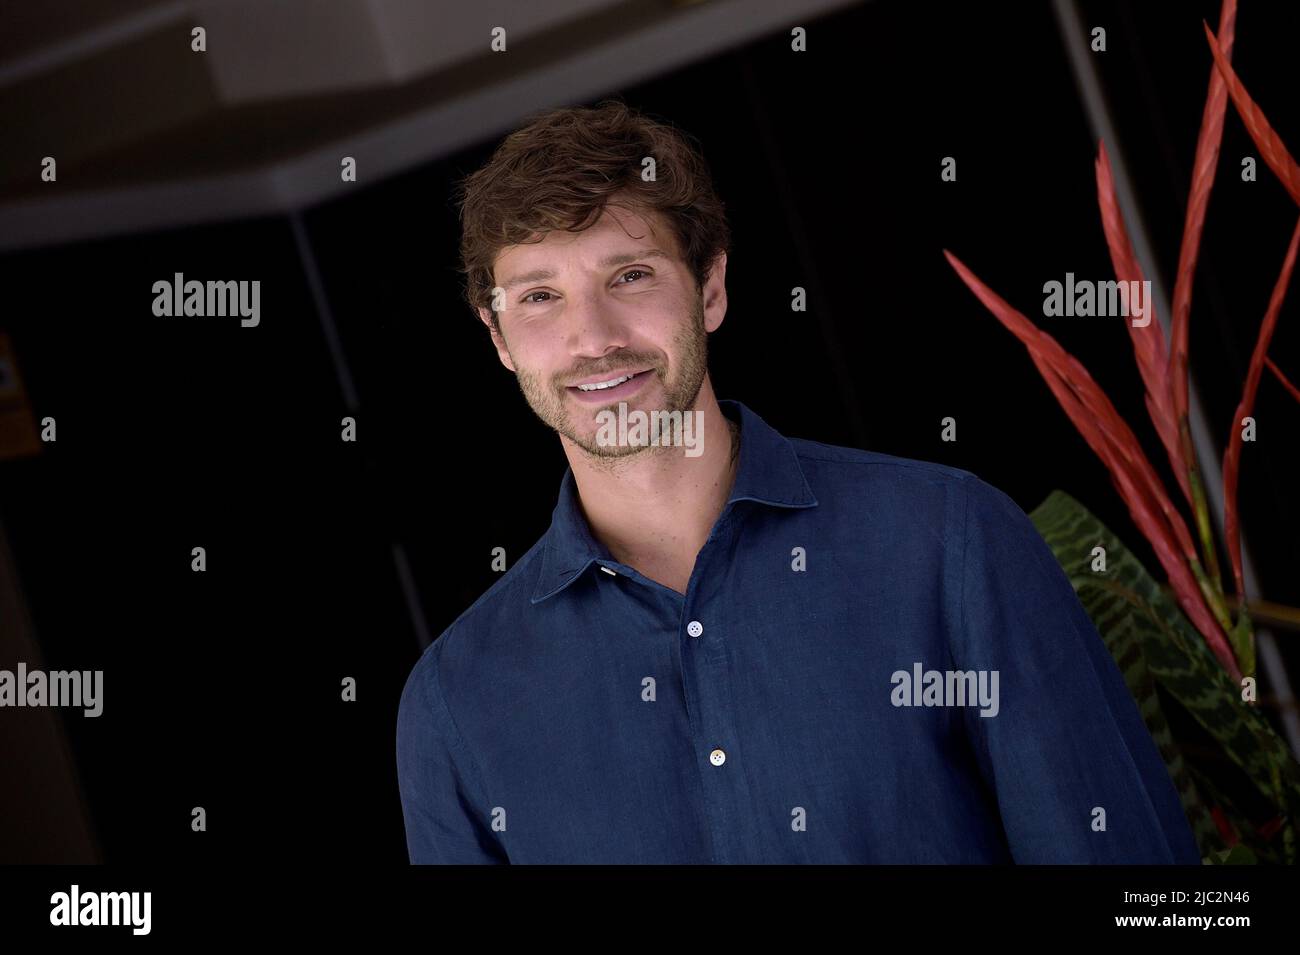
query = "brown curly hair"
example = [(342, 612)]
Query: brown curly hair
[(560, 171)]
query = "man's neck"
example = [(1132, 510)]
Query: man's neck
[(654, 509)]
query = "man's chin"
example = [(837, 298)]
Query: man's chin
[(609, 452)]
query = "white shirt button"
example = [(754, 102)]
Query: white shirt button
[(717, 757), (695, 628)]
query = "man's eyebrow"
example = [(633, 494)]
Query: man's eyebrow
[(608, 262)]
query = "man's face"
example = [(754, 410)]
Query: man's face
[(594, 306)]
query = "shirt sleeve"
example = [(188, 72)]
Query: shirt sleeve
[(446, 821), (1067, 743)]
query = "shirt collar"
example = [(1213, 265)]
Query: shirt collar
[(768, 472)]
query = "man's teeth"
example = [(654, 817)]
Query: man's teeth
[(602, 385)]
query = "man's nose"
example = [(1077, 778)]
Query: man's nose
[(595, 327)]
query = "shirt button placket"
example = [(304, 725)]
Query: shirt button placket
[(720, 791)]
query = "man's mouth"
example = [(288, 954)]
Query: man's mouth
[(615, 386)]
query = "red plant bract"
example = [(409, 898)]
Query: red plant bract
[(1284, 167), (1111, 440)]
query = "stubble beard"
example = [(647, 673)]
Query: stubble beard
[(552, 405)]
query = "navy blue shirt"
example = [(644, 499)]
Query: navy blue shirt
[(877, 660)]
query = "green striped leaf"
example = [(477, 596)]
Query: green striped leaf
[(1153, 643)]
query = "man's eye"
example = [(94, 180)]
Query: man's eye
[(530, 300)]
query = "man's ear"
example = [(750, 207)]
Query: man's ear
[(714, 293), (485, 315)]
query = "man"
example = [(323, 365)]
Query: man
[(768, 651)]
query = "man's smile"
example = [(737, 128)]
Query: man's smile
[(600, 389)]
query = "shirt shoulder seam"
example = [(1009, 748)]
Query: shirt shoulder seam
[(834, 454), (456, 742), (516, 576)]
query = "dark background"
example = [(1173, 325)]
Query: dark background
[(222, 689)]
